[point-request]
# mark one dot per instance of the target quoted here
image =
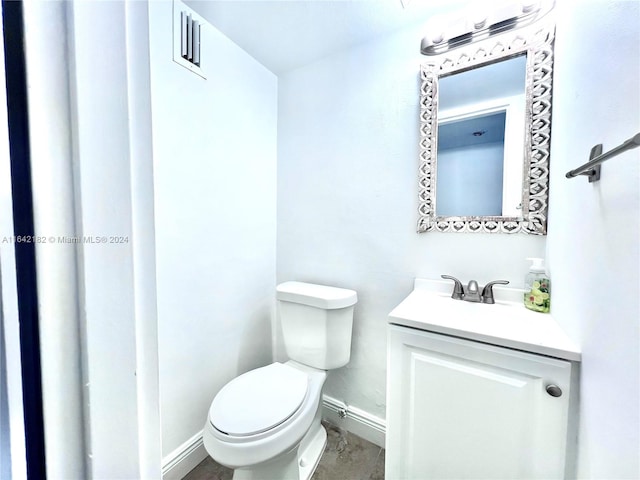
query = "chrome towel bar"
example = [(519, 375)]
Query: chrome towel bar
[(592, 167)]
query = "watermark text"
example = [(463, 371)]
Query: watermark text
[(66, 239)]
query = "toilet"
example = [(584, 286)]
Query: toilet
[(265, 424)]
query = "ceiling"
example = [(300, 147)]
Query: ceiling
[(472, 131), (286, 34)]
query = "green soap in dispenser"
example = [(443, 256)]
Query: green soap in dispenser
[(537, 287)]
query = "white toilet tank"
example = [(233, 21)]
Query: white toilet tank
[(316, 323)]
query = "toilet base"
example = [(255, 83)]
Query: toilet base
[(297, 464), (310, 453)]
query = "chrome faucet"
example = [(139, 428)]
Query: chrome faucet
[(471, 293)]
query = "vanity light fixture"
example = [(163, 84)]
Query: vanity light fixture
[(477, 25)]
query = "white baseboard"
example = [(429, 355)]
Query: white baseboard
[(184, 458), (354, 420)]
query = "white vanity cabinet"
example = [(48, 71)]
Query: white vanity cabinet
[(463, 409)]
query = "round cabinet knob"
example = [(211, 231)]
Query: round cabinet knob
[(554, 390)]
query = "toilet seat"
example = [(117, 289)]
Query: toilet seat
[(259, 400), (241, 451)]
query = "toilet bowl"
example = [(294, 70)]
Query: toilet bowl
[(237, 439), (265, 424)]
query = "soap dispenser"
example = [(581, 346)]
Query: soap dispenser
[(537, 287)]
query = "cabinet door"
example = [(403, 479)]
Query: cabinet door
[(458, 409)]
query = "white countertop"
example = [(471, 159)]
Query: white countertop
[(507, 323)]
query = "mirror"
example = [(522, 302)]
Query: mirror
[(481, 141), (485, 125)]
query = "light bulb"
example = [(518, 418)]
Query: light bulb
[(529, 6), (437, 37), (476, 17), (479, 21), (438, 25)]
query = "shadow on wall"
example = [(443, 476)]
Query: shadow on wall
[(257, 333)]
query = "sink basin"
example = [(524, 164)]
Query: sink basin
[(506, 323)]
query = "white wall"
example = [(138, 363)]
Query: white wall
[(470, 180), (347, 200), (52, 178), (113, 198), (5, 440), (593, 240), (491, 82), (5, 206), (215, 218)]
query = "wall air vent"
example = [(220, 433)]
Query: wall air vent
[(189, 35), (190, 38)]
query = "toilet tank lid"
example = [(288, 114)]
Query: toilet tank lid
[(320, 296)]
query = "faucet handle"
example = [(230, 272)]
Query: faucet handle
[(487, 292), (457, 288)]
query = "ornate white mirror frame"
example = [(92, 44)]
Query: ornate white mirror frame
[(536, 41)]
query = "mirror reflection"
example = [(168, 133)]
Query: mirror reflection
[(481, 134)]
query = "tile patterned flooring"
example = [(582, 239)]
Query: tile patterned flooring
[(346, 457)]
